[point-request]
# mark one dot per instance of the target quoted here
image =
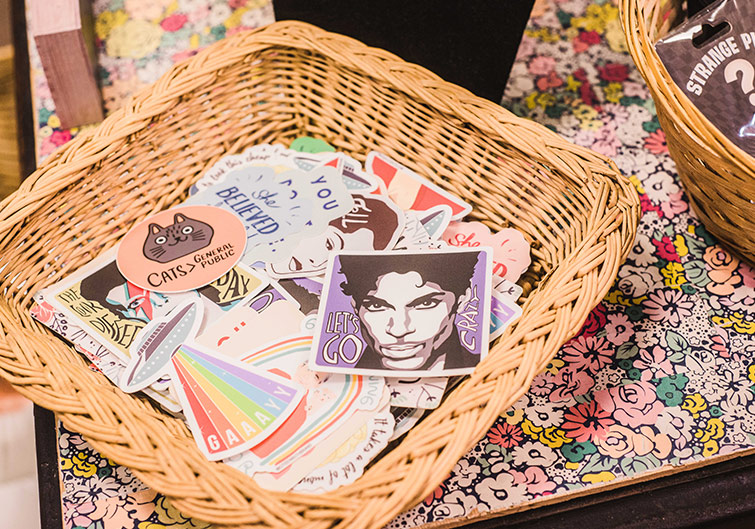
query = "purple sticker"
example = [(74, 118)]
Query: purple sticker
[(404, 313)]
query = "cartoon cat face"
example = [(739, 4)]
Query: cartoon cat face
[(183, 237)]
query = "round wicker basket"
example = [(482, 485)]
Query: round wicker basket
[(272, 85), (718, 176)]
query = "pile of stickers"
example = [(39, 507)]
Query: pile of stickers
[(299, 311)]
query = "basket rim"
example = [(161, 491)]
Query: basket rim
[(614, 223), (300, 35), (635, 20)]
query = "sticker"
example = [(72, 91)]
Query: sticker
[(374, 223), (330, 400), (109, 308), (423, 393), (309, 324), (152, 350), (507, 288), (230, 406), (435, 220), (324, 186), (422, 228), (406, 419), (292, 474), (305, 290), (503, 311), (410, 190), (268, 316), (414, 235), (113, 311), (306, 161), (234, 286), (278, 209), (313, 145), (101, 358), (271, 213), (181, 249), (263, 154), (355, 179), (347, 463), (404, 313), (511, 252)]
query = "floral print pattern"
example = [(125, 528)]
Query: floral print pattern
[(661, 373), (139, 40)]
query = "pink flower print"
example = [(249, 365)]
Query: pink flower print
[(535, 479), (78, 515), (656, 142), (174, 22), (505, 435), (180, 56), (720, 343), (546, 82), (542, 384), (634, 89), (646, 206), (653, 363), (541, 65), (587, 353), (615, 114), (668, 305), (635, 404), (526, 47), (47, 146), (587, 422), (748, 274), (676, 205), (59, 137), (606, 142), (619, 329), (200, 13), (570, 383)]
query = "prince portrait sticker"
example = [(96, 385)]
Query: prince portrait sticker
[(404, 313), (182, 248)]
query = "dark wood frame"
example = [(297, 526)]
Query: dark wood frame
[(45, 427)]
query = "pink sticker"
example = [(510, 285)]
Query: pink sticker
[(181, 249), (511, 252), (409, 190)]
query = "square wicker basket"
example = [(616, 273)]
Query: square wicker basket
[(718, 176), (272, 85)]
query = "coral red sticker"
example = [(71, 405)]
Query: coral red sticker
[(181, 249)]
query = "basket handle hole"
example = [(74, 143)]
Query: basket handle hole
[(709, 33)]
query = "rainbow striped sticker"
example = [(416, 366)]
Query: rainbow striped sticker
[(330, 400), (230, 406)]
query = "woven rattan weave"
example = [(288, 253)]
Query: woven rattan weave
[(718, 176), (273, 85)]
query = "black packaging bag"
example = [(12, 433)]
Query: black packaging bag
[(711, 57)]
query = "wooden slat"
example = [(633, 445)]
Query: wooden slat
[(10, 170)]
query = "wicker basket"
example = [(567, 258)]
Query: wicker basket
[(718, 176), (272, 85)]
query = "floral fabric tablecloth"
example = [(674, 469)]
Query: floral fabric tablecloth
[(661, 375)]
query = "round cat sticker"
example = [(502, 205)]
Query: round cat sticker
[(181, 249)]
